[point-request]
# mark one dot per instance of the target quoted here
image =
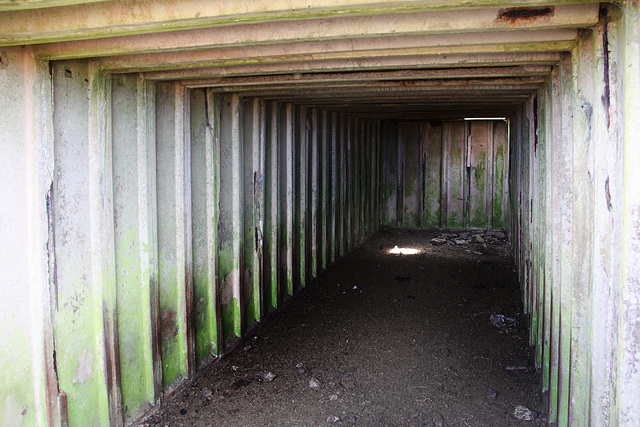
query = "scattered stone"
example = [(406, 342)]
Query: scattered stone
[(183, 411), (478, 238), (438, 421), (465, 235), (492, 394), (236, 368), (267, 376), (524, 414), (301, 368), (437, 241), (501, 321), (333, 419), (460, 242), (314, 383), (351, 419), (349, 385), (206, 392), (247, 348), (333, 376), (333, 397)]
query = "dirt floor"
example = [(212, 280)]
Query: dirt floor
[(383, 340)]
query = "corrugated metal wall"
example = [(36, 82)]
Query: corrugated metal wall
[(449, 174), (197, 214)]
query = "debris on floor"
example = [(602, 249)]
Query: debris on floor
[(414, 348), (524, 414)]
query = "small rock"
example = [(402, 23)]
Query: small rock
[(460, 242), (438, 421), (183, 411), (301, 368), (492, 394), (247, 348), (314, 383), (351, 419), (333, 397), (465, 235), (267, 376), (206, 392), (437, 241), (237, 368), (501, 321), (478, 238), (348, 385), (333, 419), (524, 414)]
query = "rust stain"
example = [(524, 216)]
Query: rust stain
[(168, 326), (519, 15)]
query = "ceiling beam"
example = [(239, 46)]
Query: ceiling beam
[(293, 18)]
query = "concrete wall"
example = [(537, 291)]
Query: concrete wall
[(161, 192)]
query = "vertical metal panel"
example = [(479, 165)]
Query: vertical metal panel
[(409, 139), (324, 203), (80, 176), (556, 245), (287, 169), (205, 193), (315, 196), (500, 166), (253, 181), (174, 234), (454, 161), (478, 169), (582, 222), (334, 204), (300, 196), (628, 339), (607, 155), (28, 394), (136, 258), (389, 154), (271, 257), (567, 243), (347, 183), (341, 214), (230, 252), (432, 159)]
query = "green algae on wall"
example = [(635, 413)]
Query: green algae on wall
[(445, 173)]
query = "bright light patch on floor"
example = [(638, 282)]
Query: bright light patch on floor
[(403, 251)]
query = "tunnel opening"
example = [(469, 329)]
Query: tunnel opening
[(187, 169)]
